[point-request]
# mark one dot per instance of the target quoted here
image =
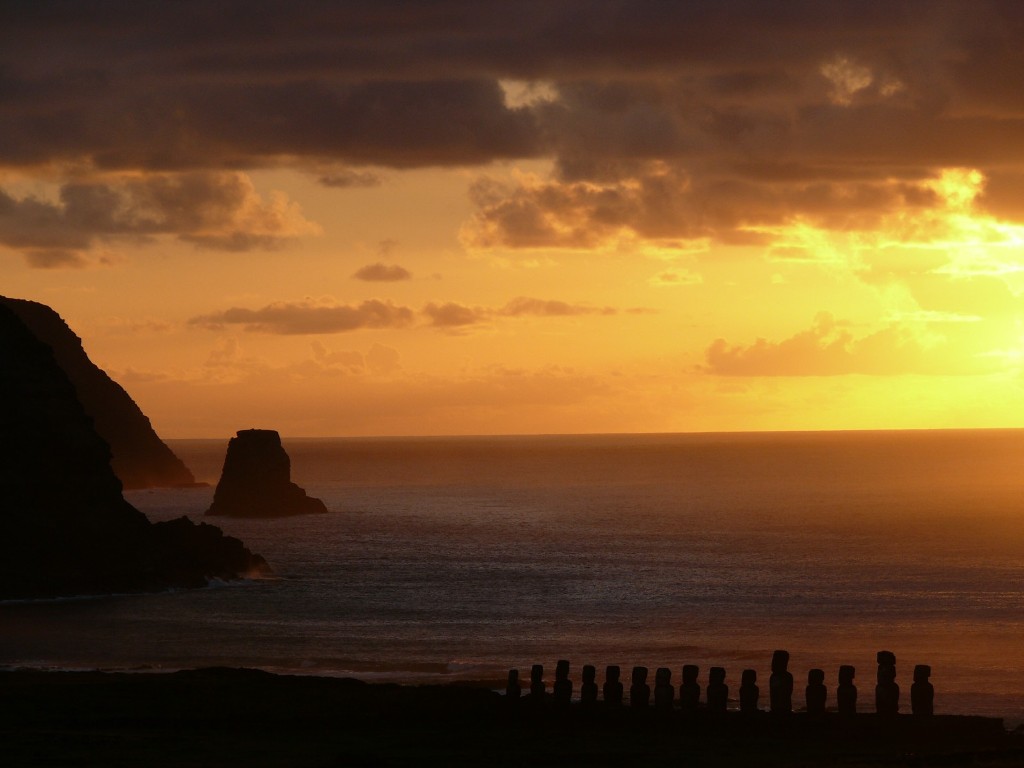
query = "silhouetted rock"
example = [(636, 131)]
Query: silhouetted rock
[(563, 685), (689, 690), (256, 480), (244, 717), (749, 691), (846, 693), (639, 691), (922, 694), (887, 692), (513, 690), (612, 689), (140, 458), (718, 691), (537, 688), (65, 528), (588, 688), (664, 691), (816, 692), (190, 554), (780, 684)]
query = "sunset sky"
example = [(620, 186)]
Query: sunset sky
[(407, 217)]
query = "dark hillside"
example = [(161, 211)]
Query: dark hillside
[(140, 458)]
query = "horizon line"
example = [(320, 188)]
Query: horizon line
[(709, 433)]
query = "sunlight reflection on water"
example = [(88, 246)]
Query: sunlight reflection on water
[(459, 558)]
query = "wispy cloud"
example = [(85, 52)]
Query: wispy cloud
[(380, 272), (830, 348), (309, 318), (213, 210)]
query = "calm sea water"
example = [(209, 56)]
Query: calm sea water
[(450, 559)]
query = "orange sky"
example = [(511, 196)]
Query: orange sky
[(530, 217)]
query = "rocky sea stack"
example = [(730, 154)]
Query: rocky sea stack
[(140, 458), (256, 481), (65, 528)]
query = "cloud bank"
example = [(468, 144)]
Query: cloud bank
[(309, 317), (664, 119), (214, 210)]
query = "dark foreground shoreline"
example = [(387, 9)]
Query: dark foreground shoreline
[(242, 717)]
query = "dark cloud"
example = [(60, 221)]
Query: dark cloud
[(520, 38), (756, 111), (1003, 195), (211, 210), (55, 258), (829, 348), (659, 202), (380, 272), (346, 178), (413, 83), (221, 124), (550, 308), (308, 318), (314, 318), (453, 315)]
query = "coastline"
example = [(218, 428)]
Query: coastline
[(226, 717)]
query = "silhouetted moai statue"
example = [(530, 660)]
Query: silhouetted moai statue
[(749, 692), (588, 689), (780, 684), (612, 690), (887, 692), (922, 694), (846, 693), (817, 693), (639, 691), (537, 691), (513, 690), (664, 691), (563, 685), (689, 689), (718, 691)]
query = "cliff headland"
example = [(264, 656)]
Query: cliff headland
[(140, 458), (65, 528)]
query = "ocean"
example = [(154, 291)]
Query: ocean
[(455, 559)]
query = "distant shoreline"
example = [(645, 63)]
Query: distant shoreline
[(229, 717)]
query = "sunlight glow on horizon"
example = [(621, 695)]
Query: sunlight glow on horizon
[(805, 225), (614, 359)]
